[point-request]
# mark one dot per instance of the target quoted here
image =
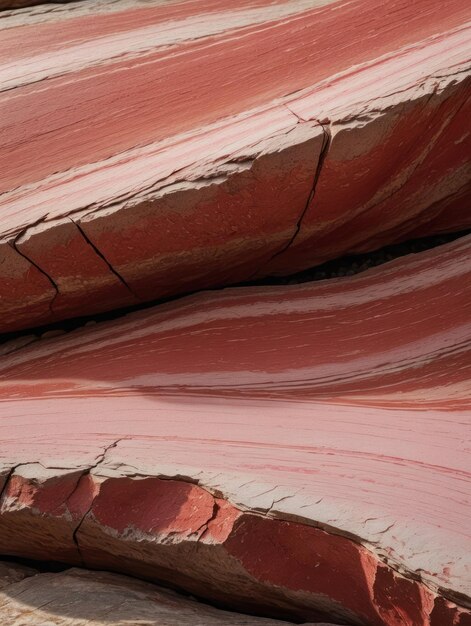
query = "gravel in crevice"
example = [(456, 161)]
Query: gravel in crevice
[(344, 266)]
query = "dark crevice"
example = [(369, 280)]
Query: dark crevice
[(77, 528), (102, 256), (352, 264), (24, 4), (56, 567), (41, 566), (344, 266), (14, 245), (100, 459), (322, 156)]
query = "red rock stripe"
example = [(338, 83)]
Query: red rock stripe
[(402, 313), (166, 74)]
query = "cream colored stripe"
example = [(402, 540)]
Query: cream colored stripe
[(128, 44)]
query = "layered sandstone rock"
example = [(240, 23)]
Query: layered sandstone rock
[(151, 149), (298, 451), (294, 452)]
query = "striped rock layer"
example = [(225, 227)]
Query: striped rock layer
[(154, 148), (300, 452)]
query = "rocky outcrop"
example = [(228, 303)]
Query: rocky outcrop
[(251, 139), (78, 597), (298, 452), (295, 451)]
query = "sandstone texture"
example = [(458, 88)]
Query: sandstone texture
[(78, 597), (249, 455), (150, 149), (300, 452)]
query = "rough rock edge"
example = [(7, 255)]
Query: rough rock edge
[(21, 597), (189, 180), (101, 471), (222, 170)]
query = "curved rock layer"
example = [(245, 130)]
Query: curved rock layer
[(80, 598), (230, 140), (300, 452)]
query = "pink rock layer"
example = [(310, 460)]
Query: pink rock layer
[(191, 144), (300, 452)]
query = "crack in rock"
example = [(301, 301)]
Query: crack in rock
[(102, 256), (86, 473), (14, 245), (327, 139)]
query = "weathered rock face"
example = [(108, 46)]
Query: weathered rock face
[(79, 598), (176, 532), (253, 138), (299, 452)]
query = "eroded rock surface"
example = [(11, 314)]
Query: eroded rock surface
[(297, 451), (78, 597), (252, 138)]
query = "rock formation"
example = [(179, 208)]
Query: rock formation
[(293, 452), (297, 451), (82, 598), (153, 149)]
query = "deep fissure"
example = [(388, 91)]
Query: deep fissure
[(347, 265)]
